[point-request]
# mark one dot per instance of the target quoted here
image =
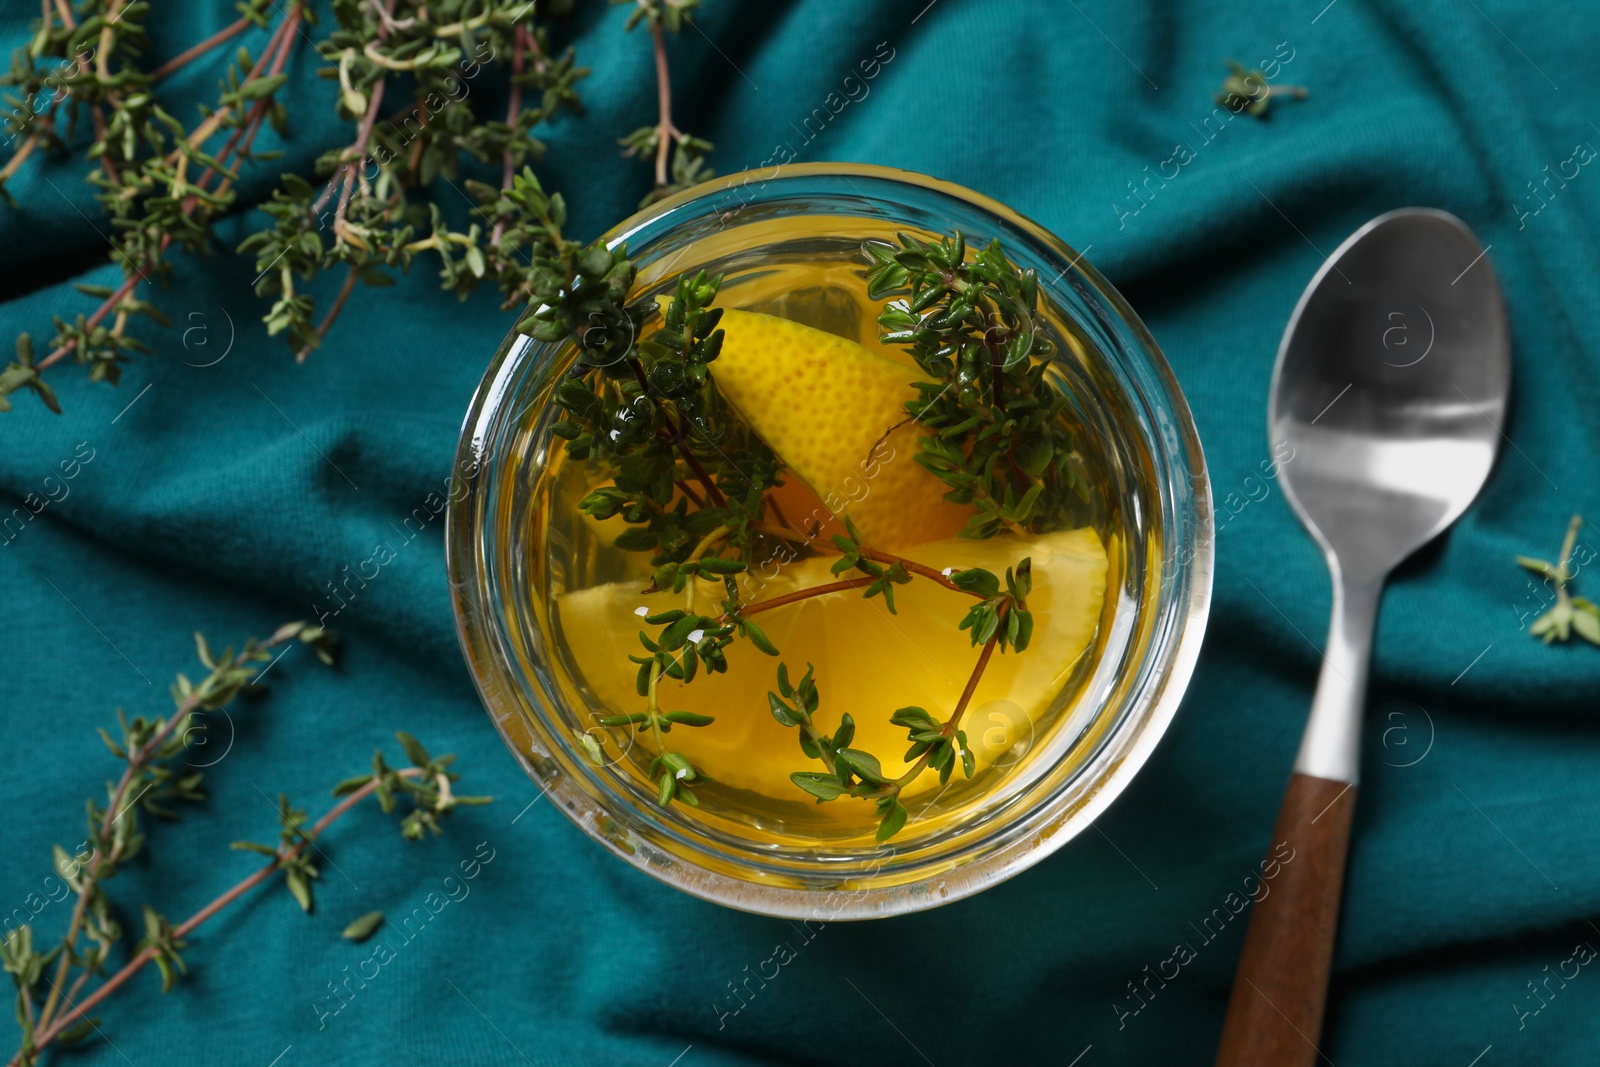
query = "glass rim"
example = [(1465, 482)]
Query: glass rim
[(1186, 568)]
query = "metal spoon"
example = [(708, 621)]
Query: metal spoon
[(1390, 388)]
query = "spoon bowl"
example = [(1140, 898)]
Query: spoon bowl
[(1390, 388)]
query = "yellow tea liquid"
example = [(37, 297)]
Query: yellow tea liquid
[(867, 661)]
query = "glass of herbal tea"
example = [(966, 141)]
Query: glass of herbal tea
[(853, 560)]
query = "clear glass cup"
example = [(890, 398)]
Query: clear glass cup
[(749, 226)]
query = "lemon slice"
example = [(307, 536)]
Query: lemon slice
[(835, 413), (868, 662)]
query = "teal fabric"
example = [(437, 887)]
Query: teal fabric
[(226, 497)]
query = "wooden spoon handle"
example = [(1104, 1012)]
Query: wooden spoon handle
[(1275, 1012)]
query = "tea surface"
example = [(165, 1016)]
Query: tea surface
[(801, 366)]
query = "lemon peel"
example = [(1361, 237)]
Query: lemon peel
[(834, 411)]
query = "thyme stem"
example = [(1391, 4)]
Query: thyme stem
[(679, 439), (22, 155), (804, 594), (227, 33), (700, 550), (213, 122), (333, 310), (97, 113), (915, 568), (784, 532), (852, 583), (664, 128), (1567, 544), (688, 490), (508, 164), (107, 40)]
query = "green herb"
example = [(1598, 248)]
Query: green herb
[(55, 1010), (974, 327), (376, 187), (364, 927), (406, 75), (1568, 613), (693, 483), (1248, 91), (652, 414), (688, 476)]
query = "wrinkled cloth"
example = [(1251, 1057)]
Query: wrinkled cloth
[(223, 487)]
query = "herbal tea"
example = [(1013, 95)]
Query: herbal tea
[(813, 567)]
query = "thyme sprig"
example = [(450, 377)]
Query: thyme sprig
[(161, 182), (1569, 613), (974, 327), (1249, 91), (652, 413), (658, 142), (377, 185), (148, 783), (55, 1009), (408, 78), (575, 291)]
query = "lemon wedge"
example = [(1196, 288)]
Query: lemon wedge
[(834, 411), (868, 662)]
